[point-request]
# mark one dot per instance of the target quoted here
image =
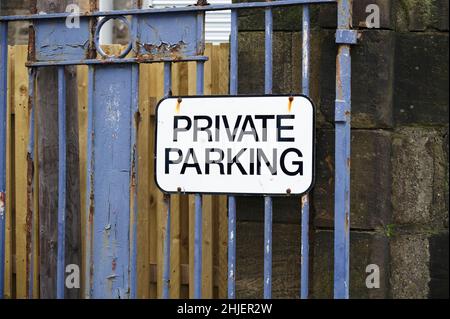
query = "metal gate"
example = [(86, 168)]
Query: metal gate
[(166, 36)]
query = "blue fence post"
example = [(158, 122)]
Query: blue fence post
[(344, 37), (60, 266), (304, 254), (232, 199), (134, 182), (267, 199), (3, 121)]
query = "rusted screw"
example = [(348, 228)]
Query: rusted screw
[(179, 189), (291, 98), (179, 100), (288, 190)]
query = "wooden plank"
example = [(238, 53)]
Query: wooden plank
[(82, 83), (221, 87), (144, 186), (10, 203), (159, 225), (22, 223)]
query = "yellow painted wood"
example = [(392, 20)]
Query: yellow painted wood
[(23, 229), (9, 234), (82, 83), (144, 186)]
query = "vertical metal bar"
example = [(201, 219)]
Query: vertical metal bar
[(31, 84), (134, 178), (268, 50), (60, 267), (166, 270), (304, 259), (267, 247), (342, 158), (3, 117), (267, 199), (89, 185), (198, 210), (232, 199)]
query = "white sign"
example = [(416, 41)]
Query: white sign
[(235, 145)]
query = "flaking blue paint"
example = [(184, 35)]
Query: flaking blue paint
[(112, 126)]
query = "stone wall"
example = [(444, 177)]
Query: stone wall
[(399, 173)]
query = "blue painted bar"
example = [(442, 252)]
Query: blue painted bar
[(111, 156), (268, 51), (198, 229), (169, 35), (267, 247), (60, 266), (342, 159), (232, 199), (231, 247), (56, 42), (30, 150), (134, 178), (216, 7), (89, 185), (3, 121), (166, 270), (268, 200), (304, 259), (113, 60)]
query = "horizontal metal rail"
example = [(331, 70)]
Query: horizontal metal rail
[(218, 7)]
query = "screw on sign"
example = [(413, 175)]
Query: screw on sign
[(241, 145)]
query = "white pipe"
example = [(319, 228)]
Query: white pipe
[(106, 33)]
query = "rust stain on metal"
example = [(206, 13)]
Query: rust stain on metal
[(346, 222), (91, 51), (178, 106), (338, 76), (304, 200), (161, 51), (137, 119), (291, 99), (114, 265), (2, 203), (31, 44)]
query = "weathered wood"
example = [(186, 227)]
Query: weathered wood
[(22, 218), (82, 82), (151, 211), (47, 122), (10, 208)]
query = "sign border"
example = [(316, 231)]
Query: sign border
[(313, 180)]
